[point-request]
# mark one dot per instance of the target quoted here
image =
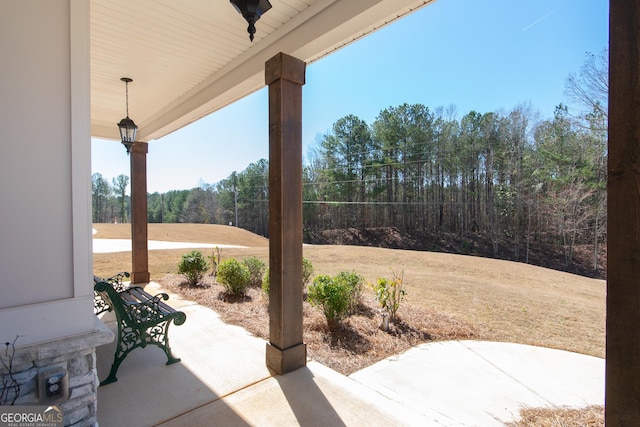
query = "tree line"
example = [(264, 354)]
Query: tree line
[(110, 202), (506, 176), (509, 176)]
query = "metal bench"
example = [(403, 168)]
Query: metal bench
[(142, 318)]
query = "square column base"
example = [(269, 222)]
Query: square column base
[(140, 277), (290, 359)]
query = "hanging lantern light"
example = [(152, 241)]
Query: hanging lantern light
[(251, 10), (127, 127)]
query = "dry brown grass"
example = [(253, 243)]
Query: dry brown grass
[(592, 416), (195, 233)]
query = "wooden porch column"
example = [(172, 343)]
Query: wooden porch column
[(286, 351), (139, 253), (623, 234)]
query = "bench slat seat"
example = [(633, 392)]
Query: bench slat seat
[(142, 318)]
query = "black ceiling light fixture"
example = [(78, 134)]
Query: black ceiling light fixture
[(251, 10), (127, 127)]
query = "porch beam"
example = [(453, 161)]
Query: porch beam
[(139, 246), (286, 350), (623, 234)]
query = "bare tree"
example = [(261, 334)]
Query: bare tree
[(588, 90)]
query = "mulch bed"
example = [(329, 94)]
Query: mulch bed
[(355, 343)]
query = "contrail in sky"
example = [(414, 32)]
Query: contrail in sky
[(541, 19)]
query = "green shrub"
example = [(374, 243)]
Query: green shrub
[(332, 296), (389, 293), (353, 282), (193, 266), (307, 271), (256, 269), (234, 276)]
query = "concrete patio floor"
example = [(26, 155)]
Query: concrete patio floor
[(222, 380)]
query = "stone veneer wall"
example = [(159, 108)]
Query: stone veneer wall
[(78, 356)]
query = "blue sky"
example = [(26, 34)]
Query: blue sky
[(482, 55)]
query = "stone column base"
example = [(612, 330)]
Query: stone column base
[(74, 355), (290, 359)]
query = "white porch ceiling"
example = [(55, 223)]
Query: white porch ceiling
[(189, 58)]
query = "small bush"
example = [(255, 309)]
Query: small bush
[(307, 271), (353, 282), (193, 266), (332, 296), (256, 269), (389, 293), (234, 276)]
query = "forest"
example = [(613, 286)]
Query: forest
[(511, 177)]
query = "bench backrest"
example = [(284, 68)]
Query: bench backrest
[(117, 280), (100, 305)]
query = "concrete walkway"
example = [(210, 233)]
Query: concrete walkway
[(222, 380), (475, 383), (102, 246)]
